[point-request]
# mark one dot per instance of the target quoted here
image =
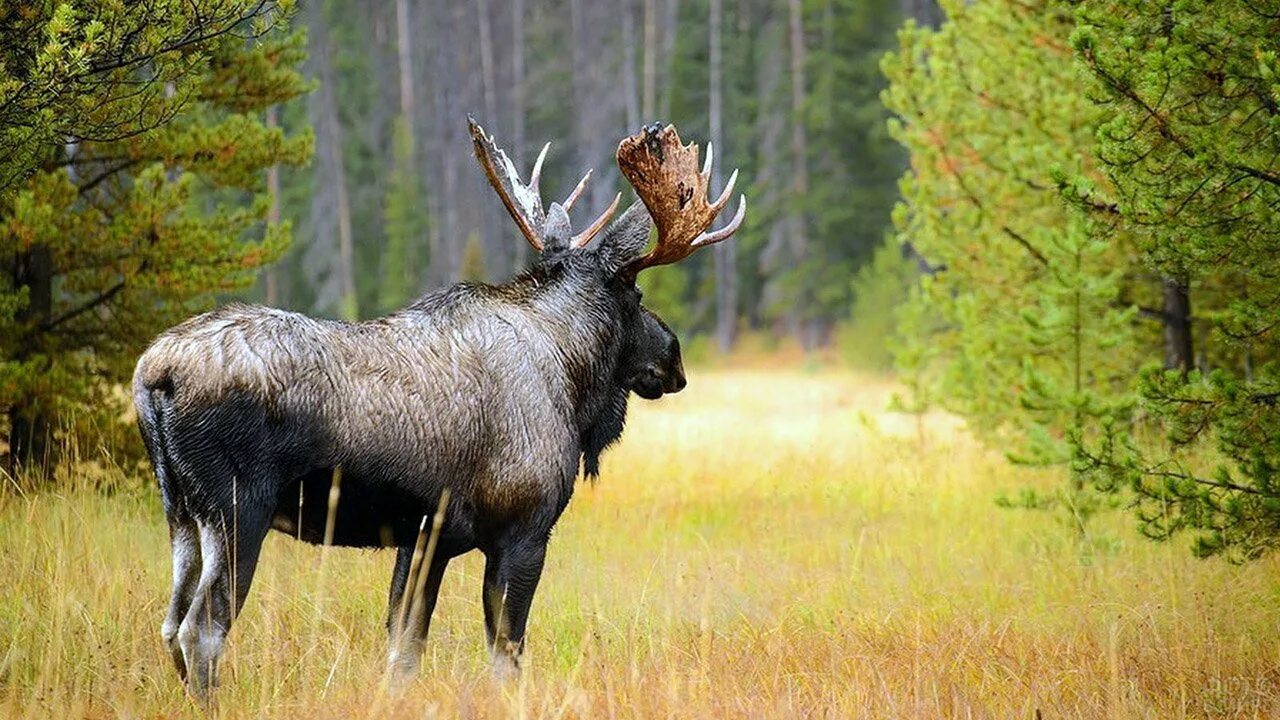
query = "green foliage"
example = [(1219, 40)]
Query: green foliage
[(1028, 341), (1189, 142), (665, 291), (405, 224), (853, 161), (1059, 204), (473, 259), (850, 162), (133, 155), (868, 338)]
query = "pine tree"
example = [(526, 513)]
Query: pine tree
[(1032, 340), (133, 157), (1190, 98)]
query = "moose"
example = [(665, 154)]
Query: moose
[(493, 396)]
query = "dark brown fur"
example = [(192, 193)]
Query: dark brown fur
[(495, 393)]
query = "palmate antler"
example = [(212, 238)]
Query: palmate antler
[(524, 202), (665, 175)]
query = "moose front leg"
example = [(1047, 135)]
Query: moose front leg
[(399, 579), (511, 574)]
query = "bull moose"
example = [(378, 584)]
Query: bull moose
[(495, 395)]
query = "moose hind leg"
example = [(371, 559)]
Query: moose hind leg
[(230, 556), (511, 576), (184, 539), (407, 638)]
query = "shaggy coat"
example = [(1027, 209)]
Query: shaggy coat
[(493, 392)]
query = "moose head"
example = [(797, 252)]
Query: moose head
[(672, 193)]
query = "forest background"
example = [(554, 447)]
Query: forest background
[(1056, 220)]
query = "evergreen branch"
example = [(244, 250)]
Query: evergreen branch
[(72, 314), (1220, 484), (1026, 245), (1262, 175), (106, 174), (182, 43), (973, 198)]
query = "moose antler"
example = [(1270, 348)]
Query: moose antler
[(524, 202), (665, 175)]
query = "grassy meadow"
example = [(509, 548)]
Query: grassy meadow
[(769, 543)]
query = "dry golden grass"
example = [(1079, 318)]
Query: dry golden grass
[(766, 544)]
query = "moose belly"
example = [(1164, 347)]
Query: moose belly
[(364, 513)]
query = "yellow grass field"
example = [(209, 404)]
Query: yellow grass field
[(765, 544)]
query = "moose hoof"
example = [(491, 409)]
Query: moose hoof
[(506, 660)]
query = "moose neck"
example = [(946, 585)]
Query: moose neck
[(589, 322)]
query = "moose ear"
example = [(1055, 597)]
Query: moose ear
[(625, 239)]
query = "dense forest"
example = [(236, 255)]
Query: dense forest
[(1055, 220), (325, 145), (393, 203)]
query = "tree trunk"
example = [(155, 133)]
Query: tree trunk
[(1178, 347), (520, 251), (769, 136), (331, 149), (486, 61), (444, 229), (466, 184), (649, 93), (273, 214), (29, 425), (432, 32), (725, 265), (629, 89), (404, 53), (411, 258), (799, 178), (497, 253), (596, 96), (669, 25)]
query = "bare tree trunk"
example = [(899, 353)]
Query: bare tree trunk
[(725, 265), (519, 250), (580, 93), (486, 61), (770, 137), (460, 180), (29, 425), (799, 175), (1178, 346), (648, 98), (349, 308), (629, 88), (670, 24), (273, 213), (332, 149), (596, 97), (445, 229), (404, 53), (400, 265), (498, 253), (428, 25)]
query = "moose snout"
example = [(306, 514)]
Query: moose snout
[(675, 382)]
